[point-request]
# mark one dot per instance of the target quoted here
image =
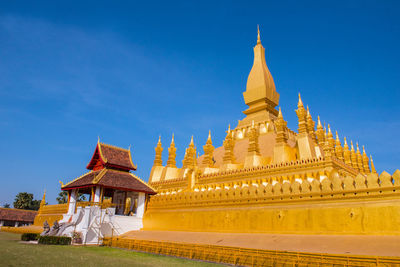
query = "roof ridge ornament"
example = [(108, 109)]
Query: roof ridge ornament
[(258, 34)]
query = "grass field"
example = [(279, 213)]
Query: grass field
[(13, 253)]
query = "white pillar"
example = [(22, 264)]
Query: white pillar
[(97, 195), (72, 202), (140, 207), (1, 223), (16, 224)]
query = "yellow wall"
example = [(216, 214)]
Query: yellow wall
[(50, 213), (355, 217)]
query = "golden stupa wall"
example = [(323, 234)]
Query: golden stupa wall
[(334, 205)]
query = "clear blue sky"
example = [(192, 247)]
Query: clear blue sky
[(128, 71)]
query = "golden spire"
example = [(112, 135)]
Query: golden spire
[(190, 155), (209, 141), (373, 170), (338, 148), (43, 202), (171, 162), (280, 125), (346, 153), (359, 159), (310, 125), (300, 103), (301, 114), (208, 152), (320, 133), (365, 160), (158, 149), (260, 94), (353, 157), (331, 141), (229, 144)]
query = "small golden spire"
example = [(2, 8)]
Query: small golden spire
[(351, 145), (229, 128), (300, 103), (280, 113), (372, 165), (337, 137), (319, 122), (209, 135), (258, 35), (329, 129), (191, 141), (358, 149), (345, 141), (172, 141)]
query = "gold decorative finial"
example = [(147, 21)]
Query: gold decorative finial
[(98, 139), (300, 104), (358, 149), (258, 35), (373, 170), (329, 128), (229, 128), (351, 144), (172, 141), (209, 135), (280, 113), (159, 139), (319, 122), (191, 141), (345, 140), (337, 136), (364, 150)]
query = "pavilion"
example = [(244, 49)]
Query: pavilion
[(110, 183)]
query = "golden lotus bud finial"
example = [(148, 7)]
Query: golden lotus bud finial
[(351, 144), (345, 140), (280, 113), (172, 141), (329, 128), (159, 139), (319, 122), (364, 150), (191, 141), (300, 104), (209, 135), (358, 149), (258, 35), (229, 128), (337, 136), (373, 170)]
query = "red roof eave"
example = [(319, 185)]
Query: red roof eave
[(112, 187)]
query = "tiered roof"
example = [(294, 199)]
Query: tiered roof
[(110, 178), (111, 157), (109, 167)]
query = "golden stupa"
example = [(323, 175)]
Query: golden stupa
[(268, 178)]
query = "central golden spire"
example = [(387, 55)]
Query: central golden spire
[(260, 94)]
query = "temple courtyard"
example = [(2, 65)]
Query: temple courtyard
[(14, 253)]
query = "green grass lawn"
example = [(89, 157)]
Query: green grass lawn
[(13, 253)]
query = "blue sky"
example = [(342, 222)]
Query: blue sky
[(128, 71)]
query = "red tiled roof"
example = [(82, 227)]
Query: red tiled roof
[(111, 156), (111, 178), (17, 215), (124, 180)]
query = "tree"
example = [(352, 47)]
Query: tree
[(63, 197), (6, 205), (25, 201)]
